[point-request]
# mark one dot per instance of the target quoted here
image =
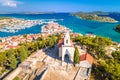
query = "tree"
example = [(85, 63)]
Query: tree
[(116, 55), (95, 46), (16, 78), (50, 42), (25, 35), (12, 61), (39, 39), (43, 45), (54, 38), (112, 69), (39, 44), (23, 53), (3, 59), (76, 56), (34, 46), (58, 37)]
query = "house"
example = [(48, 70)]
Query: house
[(86, 60), (85, 64), (12, 47)]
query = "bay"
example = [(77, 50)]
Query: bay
[(75, 24)]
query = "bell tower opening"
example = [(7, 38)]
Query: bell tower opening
[(67, 39)]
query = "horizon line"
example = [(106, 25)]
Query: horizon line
[(52, 12)]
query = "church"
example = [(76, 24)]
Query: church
[(66, 51), (66, 48)]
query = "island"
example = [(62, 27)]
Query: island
[(117, 28), (95, 16)]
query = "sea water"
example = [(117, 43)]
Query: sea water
[(75, 24)]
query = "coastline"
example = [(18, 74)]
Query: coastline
[(54, 31), (13, 25), (62, 30), (77, 25)]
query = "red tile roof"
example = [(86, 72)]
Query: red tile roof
[(87, 57), (13, 47)]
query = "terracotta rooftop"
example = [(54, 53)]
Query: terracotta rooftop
[(87, 57), (13, 47)]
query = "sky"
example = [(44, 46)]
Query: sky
[(59, 5)]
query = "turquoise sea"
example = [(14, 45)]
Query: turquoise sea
[(72, 22)]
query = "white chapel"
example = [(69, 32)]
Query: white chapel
[(66, 48)]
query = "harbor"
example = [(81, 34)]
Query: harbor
[(12, 25)]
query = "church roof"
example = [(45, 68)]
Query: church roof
[(87, 57)]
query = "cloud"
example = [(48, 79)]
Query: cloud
[(10, 3)]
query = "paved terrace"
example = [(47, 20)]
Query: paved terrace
[(83, 73)]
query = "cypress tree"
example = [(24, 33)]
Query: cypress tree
[(76, 56)]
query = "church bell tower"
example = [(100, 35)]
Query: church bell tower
[(67, 39)]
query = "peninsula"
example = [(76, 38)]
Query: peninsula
[(10, 24), (53, 28), (94, 16)]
